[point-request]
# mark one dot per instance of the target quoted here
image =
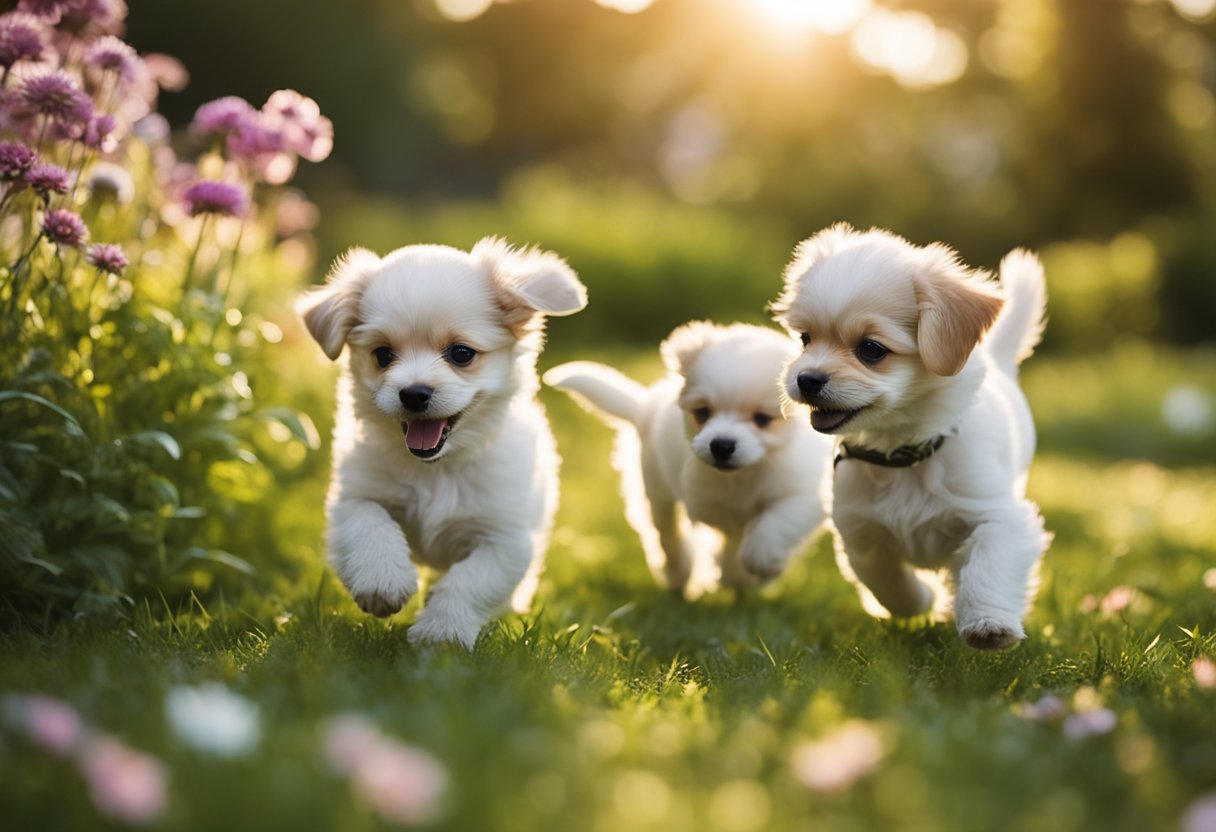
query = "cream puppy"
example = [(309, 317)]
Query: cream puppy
[(911, 360), (720, 480), (442, 455)]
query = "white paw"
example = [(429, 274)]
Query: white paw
[(435, 626), (764, 567), (990, 634), (385, 595)]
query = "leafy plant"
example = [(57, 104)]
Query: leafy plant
[(132, 447)]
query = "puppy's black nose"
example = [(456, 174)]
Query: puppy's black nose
[(811, 384), (721, 449), (416, 398)]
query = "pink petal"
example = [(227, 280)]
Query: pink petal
[(125, 784)]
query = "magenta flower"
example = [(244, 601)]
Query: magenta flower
[(305, 131), (224, 116), (125, 784), (15, 160), (65, 228), (109, 54), (57, 96), (212, 197), (107, 257), (22, 38), (47, 178)]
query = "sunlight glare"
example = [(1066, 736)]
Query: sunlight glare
[(910, 47), (462, 10), (626, 6), (832, 17)]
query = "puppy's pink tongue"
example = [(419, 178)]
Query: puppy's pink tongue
[(424, 434), (826, 420)]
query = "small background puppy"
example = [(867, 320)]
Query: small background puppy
[(441, 452), (715, 453), (937, 435)]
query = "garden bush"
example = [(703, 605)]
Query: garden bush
[(134, 453)]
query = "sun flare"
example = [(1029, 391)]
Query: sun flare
[(829, 16)]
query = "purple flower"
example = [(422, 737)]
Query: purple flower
[(57, 96), (47, 178), (46, 10), (93, 17), (212, 197), (15, 160), (109, 54), (65, 228), (107, 257), (224, 116), (99, 132), (305, 131), (22, 38)]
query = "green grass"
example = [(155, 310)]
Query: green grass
[(616, 707)]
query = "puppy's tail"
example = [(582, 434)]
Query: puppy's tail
[(604, 391), (1019, 327)]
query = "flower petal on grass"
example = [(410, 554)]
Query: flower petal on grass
[(1200, 816), (214, 720), (1204, 671), (837, 760), (125, 784)]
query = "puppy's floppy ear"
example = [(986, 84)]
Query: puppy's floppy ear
[(956, 308), (332, 310), (681, 348), (530, 283), (806, 254)]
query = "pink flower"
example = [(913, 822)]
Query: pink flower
[(305, 131), (109, 54), (1200, 816), (125, 784), (402, 783), (47, 178), (107, 257), (167, 71), (1091, 723), (52, 724), (1117, 600), (65, 228), (15, 160), (58, 97), (837, 760), (1204, 671)]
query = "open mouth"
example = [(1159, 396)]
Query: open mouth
[(830, 421), (426, 437)]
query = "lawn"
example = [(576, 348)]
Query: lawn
[(616, 707)]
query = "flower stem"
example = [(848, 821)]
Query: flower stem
[(198, 244)]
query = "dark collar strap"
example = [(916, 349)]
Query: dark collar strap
[(902, 457)]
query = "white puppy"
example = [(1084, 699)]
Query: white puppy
[(936, 435), (441, 452), (716, 453)]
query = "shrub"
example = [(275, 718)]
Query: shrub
[(133, 452)]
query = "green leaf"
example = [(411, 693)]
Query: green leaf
[(299, 424), (158, 438), (73, 426), (197, 553)]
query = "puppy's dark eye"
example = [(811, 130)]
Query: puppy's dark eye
[(384, 356), (806, 339), (762, 420), (871, 352), (461, 355), (701, 414)]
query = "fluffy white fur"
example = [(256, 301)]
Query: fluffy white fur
[(718, 484), (439, 460), (948, 345)]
